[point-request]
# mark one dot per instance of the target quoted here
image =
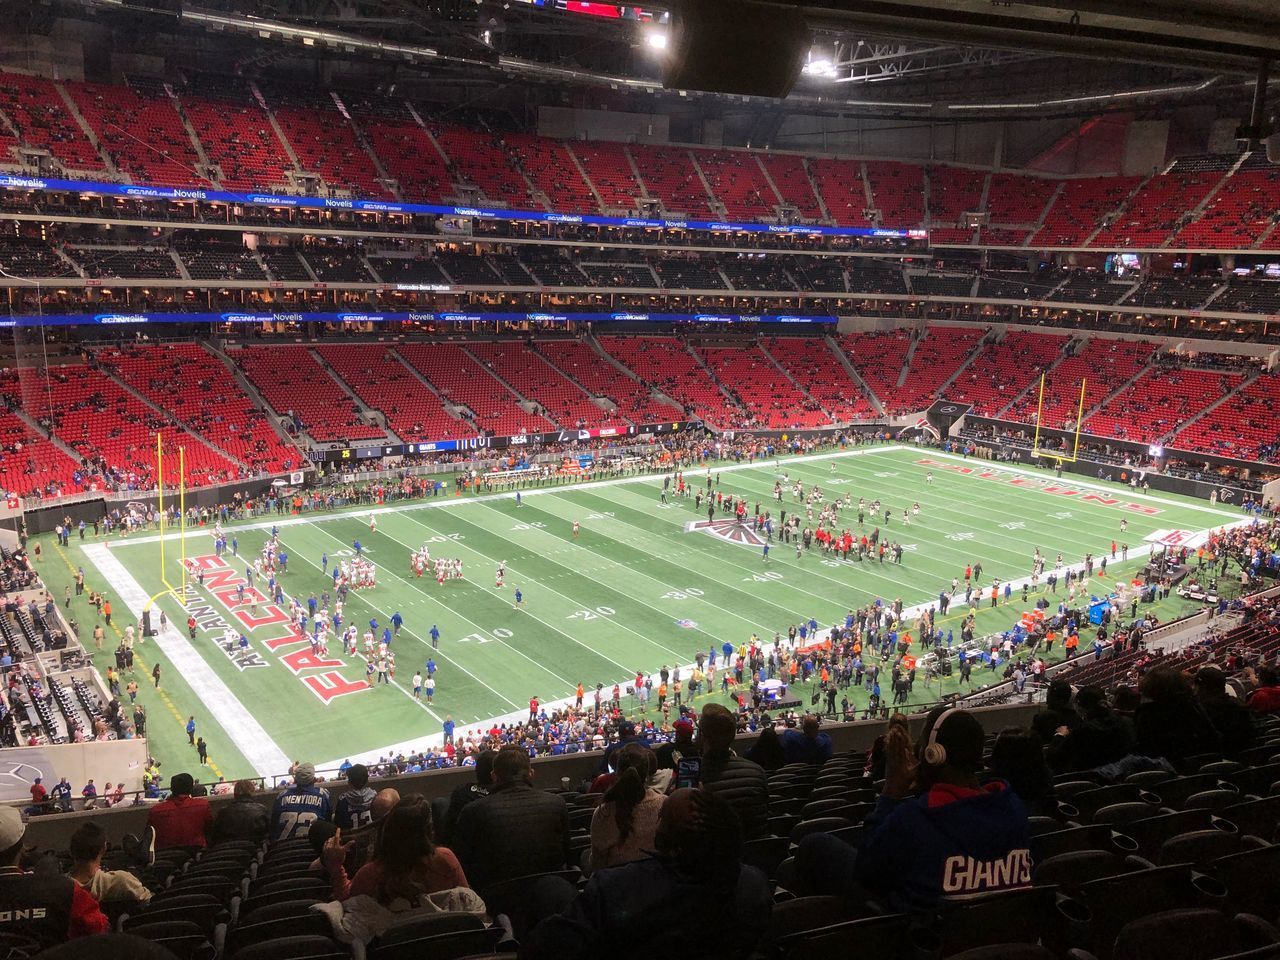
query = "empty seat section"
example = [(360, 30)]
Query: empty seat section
[(323, 140), (462, 380), (292, 381), (560, 399), (791, 179), (600, 378), (609, 170), (143, 134), (236, 134), (551, 169), (772, 399), (384, 383), (43, 120), (812, 364), (1004, 369), (665, 364), (1102, 365), (670, 176), (739, 183), (1160, 400)]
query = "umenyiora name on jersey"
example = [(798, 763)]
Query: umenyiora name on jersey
[(271, 629)]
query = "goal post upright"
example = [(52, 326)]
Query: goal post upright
[(1035, 443), (164, 573), (182, 512), (1075, 450)]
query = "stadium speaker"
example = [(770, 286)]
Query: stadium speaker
[(735, 46)]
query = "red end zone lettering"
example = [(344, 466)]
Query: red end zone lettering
[(224, 585), (332, 685), (1037, 483)]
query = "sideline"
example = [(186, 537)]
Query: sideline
[(267, 759)]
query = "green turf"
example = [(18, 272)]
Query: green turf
[(634, 591)]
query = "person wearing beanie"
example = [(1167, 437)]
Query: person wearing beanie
[(936, 833), (181, 820), (682, 745), (299, 806), (55, 907)]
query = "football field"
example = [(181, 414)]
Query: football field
[(644, 584)]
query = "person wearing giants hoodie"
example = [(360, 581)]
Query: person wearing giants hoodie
[(936, 833)]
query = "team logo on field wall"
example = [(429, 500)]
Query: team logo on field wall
[(730, 530)]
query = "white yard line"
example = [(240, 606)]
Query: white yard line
[(224, 707), (442, 502)]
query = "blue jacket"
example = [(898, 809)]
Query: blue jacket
[(947, 843)]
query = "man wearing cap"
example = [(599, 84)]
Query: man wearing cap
[(181, 820), (300, 806), (936, 833), (49, 908)]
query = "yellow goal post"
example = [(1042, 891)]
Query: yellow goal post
[(1058, 456)]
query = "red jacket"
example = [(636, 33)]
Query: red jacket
[(180, 821), (1265, 700)]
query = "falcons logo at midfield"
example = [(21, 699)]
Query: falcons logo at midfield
[(729, 530)]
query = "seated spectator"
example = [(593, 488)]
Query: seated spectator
[(1099, 738), (767, 750), (466, 793), (1058, 711), (739, 782), (354, 808), (88, 844), (681, 745), (516, 829), (623, 825), (1018, 759), (1266, 698), (297, 807), (58, 909), (181, 820), (936, 831), (406, 864), (244, 818), (806, 745), (692, 899), (1169, 722), (1228, 715)]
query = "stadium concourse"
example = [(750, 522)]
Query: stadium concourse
[(502, 479)]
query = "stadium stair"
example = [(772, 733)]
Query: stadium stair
[(1191, 421), (582, 171), (365, 411), (108, 371), (457, 411), (843, 359), (87, 129)]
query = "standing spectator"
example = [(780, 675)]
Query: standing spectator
[(181, 820), (58, 909), (624, 824), (515, 830), (88, 844), (244, 818), (739, 782)]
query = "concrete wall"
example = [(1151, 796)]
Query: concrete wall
[(574, 124), (52, 832), (1146, 146)]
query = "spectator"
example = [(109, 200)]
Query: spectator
[(767, 750), (88, 844), (806, 745), (1170, 722), (244, 818), (354, 809), (739, 782), (362, 842), (406, 866), (1228, 715), (935, 832), (1057, 712), (299, 806), (1266, 698), (515, 830), (692, 899), (57, 908), (469, 792), (181, 820), (624, 824), (668, 754), (1100, 737), (1018, 759)]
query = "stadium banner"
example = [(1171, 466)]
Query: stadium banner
[(339, 454), (141, 192), (129, 319)]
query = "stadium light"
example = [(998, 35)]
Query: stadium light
[(818, 64), (656, 39)]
